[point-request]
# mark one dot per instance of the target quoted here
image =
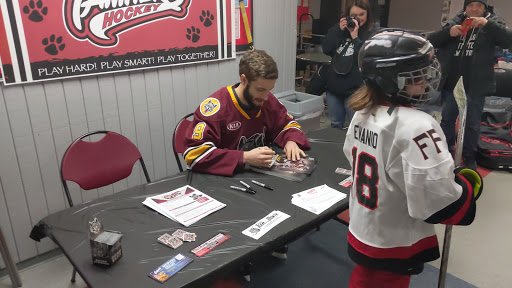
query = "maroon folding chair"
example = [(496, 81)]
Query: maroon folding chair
[(96, 164), (178, 138)]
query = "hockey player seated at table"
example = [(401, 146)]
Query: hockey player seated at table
[(234, 126)]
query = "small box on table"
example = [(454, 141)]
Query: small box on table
[(105, 245)]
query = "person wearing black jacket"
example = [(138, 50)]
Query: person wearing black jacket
[(342, 43), (470, 55)]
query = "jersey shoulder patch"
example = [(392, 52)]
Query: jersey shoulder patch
[(210, 106)]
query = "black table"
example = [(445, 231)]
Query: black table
[(315, 57), (141, 226)]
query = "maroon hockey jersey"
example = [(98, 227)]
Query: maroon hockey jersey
[(222, 130)]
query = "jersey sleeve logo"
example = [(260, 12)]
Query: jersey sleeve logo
[(210, 106)]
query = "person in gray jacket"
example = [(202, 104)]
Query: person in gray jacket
[(469, 54)]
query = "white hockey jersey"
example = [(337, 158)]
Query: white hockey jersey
[(403, 181)]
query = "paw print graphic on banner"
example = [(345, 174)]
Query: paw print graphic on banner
[(193, 34), (206, 18), (35, 11), (53, 46)]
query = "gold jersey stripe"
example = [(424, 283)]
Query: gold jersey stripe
[(233, 98), (193, 154), (292, 124)]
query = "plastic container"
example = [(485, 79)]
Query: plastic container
[(305, 108)]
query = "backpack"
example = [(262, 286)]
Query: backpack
[(494, 149)]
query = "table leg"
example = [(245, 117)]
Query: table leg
[(247, 270), (11, 266)]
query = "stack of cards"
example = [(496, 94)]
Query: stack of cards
[(170, 241), (347, 182), (179, 234), (318, 199), (185, 205), (184, 235), (189, 237), (176, 239), (343, 171)]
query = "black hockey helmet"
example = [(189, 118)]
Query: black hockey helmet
[(393, 59)]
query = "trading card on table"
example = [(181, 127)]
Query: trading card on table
[(189, 237), (179, 234), (164, 238), (210, 244), (170, 241), (347, 182), (169, 268), (174, 242), (343, 171)]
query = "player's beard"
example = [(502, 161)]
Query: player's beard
[(249, 98)]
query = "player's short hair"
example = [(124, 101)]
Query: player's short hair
[(258, 64)]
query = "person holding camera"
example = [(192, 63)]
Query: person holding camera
[(466, 47), (342, 43)]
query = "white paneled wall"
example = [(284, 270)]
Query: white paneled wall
[(38, 122)]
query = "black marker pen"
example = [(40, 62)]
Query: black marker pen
[(247, 186), (262, 185), (242, 189)]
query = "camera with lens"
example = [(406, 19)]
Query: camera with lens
[(351, 24)]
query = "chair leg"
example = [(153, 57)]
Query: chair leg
[(73, 276)]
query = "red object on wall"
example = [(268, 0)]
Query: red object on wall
[(242, 44), (301, 9)]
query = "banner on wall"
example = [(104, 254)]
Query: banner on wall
[(4, 47), (302, 8), (242, 42), (69, 38)]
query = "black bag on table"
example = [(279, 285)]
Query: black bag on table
[(495, 143)]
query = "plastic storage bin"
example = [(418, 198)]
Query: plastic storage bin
[(305, 108)]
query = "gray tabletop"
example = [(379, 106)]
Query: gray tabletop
[(142, 226)]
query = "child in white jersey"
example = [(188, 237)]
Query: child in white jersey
[(404, 175)]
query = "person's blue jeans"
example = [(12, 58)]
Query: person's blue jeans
[(338, 110), (450, 112)]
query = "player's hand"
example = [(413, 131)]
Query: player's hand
[(456, 30), (343, 23), (354, 32), (478, 22), (259, 157), (293, 152), (473, 178)]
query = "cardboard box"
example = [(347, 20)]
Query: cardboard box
[(105, 245)]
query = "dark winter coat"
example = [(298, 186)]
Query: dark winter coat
[(344, 85), (477, 67)]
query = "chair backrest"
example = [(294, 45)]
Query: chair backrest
[(96, 164), (178, 138)]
